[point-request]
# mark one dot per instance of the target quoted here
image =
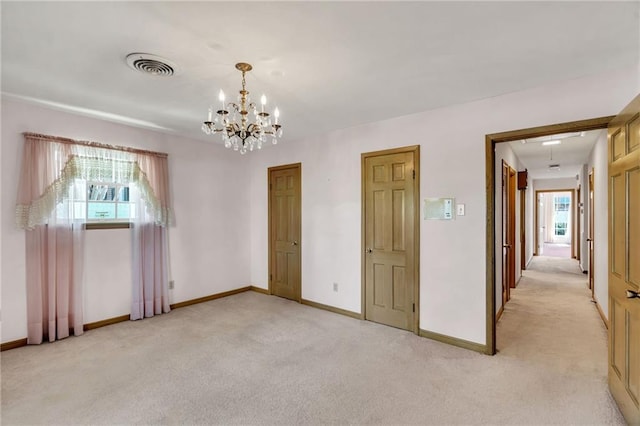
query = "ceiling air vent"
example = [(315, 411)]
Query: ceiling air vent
[(151, 64), (553, 167)]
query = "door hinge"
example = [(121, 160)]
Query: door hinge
[(414, 307), (414, 174), (270, 186), (270, 277)]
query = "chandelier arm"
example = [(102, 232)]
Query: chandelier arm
[(241, 133)]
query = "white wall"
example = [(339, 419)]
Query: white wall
[(554, 183), (530, 205), (208, 245), (599, 162), (584, 217), (220, 239), (452, 254)]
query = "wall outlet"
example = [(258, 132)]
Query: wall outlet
[(172, 284), (335, 287)]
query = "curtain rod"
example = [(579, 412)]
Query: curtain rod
[(50, 138)]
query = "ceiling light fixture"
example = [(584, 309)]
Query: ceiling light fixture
[(556, 142), (558, 136), (238, 132)]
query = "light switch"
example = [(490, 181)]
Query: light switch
[(460, 210)]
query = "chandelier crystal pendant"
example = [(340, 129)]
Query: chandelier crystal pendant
[(239, 131)]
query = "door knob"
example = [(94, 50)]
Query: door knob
[(368, 250), (633, 294), (589, 239), (295, 243), (506, 245)]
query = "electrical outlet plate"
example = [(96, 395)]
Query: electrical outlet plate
[(335, 286), (172, 284)]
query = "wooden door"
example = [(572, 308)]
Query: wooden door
[(577, 233), (590, 241), (390, 240), (508, 231), (505, 233), (511, 234), (284, 232), (523, 234), (624, 261)]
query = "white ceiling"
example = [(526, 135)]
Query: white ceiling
[(327, 65), (570, 154)]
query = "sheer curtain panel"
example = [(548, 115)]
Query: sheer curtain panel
[(150, 248), (53, 177), (54, 242)]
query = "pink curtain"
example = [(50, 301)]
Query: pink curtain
[(44, 180), (150, 248), (154, 184), (150, 279), (54, 282), (54, 238), (54, 242)]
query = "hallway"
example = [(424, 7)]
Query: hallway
[(556, 250), (552, 323)]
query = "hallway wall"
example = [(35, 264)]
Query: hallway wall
[(599, 162), (584, 217), (530, 204)]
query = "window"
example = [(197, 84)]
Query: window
[(99, 202), (108, 201), (561, 214)]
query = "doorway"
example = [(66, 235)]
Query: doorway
[(555, 227), (285, 240), (490, 155), (391, 240)]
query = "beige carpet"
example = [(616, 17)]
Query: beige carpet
[(256, 359)]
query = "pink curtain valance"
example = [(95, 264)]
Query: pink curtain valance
[(50, 164)]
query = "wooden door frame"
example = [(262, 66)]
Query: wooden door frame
[(535, 215), (511, 232), (507, 206), (592, 222), (490, 158), (415, 149), (269, 242), (578, 251), (523, 231)]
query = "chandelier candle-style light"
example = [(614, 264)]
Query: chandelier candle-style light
[(233, 120)]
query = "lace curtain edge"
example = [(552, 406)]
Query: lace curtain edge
[(28, 216)]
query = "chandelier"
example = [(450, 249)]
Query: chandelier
[(240, 131)]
